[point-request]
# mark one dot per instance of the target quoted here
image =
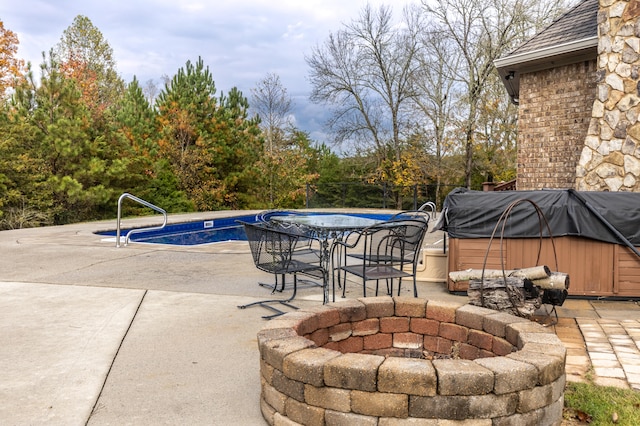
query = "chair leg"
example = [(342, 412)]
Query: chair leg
[(336, 277), (277, 311), (274, 286), (364, 287), (333, 285), (342, 283), (415, 286), (266, 303)]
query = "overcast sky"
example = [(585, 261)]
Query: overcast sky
[(240, 40)]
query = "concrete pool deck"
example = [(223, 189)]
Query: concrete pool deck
[(150, 334)]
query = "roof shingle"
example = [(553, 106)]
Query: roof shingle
[(578, 23)]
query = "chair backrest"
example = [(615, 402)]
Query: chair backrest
[(417, 223), (270, 248), (412, 214), (414, 231), (402, 238), (265, 217)]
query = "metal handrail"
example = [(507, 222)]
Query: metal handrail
[(137, 231), (429, 206)]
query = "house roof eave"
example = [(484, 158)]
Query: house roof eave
[(510, 67), (547, 52)]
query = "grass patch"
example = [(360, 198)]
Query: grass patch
[(604, 405)]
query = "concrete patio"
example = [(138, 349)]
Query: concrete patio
[(149, 334)]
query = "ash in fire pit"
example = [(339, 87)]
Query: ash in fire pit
[(384, 359)]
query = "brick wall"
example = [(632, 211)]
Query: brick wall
[(554, 115)]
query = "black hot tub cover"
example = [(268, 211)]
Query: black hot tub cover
[(474, 214)]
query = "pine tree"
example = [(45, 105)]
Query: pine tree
[(84, 55), (74, 159), (209, 142), (142, 171)]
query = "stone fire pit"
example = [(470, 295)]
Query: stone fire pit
[(394, 360)]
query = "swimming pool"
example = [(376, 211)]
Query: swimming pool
[(207, 231)]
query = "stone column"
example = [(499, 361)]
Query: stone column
[(610, 159)]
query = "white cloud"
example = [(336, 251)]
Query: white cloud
[(240, 40)]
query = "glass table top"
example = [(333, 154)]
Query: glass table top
[(328, 221)]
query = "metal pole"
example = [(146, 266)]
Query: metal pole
[(306, 197), (384, 195)]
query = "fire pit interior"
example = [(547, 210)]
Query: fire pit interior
[(386, 360)]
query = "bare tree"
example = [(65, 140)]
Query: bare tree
[(284, 162), (496, 134), (482, 31), (364, 73), (272, 103), (435, 100), (151, 90), (427, 80), (86, 55)]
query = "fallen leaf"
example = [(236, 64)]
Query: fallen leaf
[(583, 417)]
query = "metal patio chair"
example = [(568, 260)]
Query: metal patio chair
[(274, 251), (306, 248), (386, 251)]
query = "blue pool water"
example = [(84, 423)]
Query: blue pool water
[(206, 232)]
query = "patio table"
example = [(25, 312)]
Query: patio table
[(326, 228)]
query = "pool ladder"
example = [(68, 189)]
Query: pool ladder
[(137, 231), (430, 208)]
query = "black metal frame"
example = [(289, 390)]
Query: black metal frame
[(274, 251), (383, 251)]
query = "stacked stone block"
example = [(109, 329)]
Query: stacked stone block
[(610, 158), (409, 361)]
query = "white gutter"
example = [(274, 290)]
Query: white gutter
[(547, 52)]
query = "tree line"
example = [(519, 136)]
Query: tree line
[(413, 101)]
